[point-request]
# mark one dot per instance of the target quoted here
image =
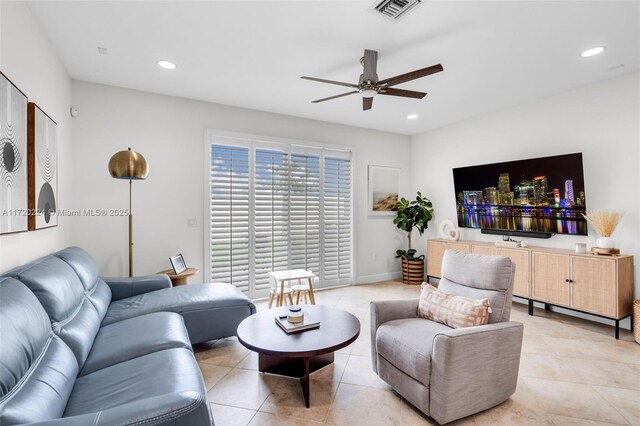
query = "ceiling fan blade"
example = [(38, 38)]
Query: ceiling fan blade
[(403, 93), (370, 64), (321, 80), (334, 97), (412, 75), (367, 103)]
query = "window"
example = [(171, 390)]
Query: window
[(277, 206)]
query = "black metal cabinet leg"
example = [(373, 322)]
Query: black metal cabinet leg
[(617, 329), (530, 307), (547, 307)]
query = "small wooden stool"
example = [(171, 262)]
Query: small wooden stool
[(280, 297), (304, 290)]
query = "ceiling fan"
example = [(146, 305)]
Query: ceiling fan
[(369, 85)]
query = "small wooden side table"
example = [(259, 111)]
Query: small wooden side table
[(182, 278)]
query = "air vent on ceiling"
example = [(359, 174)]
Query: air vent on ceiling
[(395, 9)]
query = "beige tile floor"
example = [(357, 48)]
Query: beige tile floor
[(572, 372)]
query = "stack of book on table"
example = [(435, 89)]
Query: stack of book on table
[(307, 324)]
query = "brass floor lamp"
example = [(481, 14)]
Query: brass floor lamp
[(129, 165)]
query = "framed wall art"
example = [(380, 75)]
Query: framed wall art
[(43, 169), (384, 187), (13, 158)]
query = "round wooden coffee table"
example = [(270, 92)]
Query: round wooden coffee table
[(298, 355)]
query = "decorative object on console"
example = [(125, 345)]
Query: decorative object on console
[(43, 177), (384, 187), (13, 157), (129, 165), (604, 222), (448, 231), (177, 263), (581, 248), (414, 214)]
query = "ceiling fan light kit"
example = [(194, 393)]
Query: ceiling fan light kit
[(369, 86)]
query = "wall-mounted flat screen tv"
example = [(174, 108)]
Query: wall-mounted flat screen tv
[(541, 195)]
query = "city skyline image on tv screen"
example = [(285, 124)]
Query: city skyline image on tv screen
[(536, 195)]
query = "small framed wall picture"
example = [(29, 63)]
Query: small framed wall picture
[(43, 169), (177, 262), (384, 186)]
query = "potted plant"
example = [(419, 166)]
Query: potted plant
[(414, 214)]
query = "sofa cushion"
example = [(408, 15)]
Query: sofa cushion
[(210, 311), (148, 376), (407, 344), (477, 277), (75, 314), (452, 310), (37, 370), (134, 337), (83, 265)]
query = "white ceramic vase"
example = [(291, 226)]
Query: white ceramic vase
[(605, 242)]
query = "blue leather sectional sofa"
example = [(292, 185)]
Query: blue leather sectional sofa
[(79, 350)]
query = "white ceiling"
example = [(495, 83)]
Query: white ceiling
[(251, 54)]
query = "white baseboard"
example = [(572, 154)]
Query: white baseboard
[(366, 279)]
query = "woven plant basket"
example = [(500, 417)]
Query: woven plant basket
[(413, 270), (636, 321)]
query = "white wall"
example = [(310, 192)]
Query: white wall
[(169, 132), (28, 60), (601, 120)]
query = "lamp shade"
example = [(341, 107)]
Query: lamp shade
[(128, 165)]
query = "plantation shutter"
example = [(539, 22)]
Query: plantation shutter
[(271, 214), (304, 196), (229, 215), (275, 206), (337, 217)]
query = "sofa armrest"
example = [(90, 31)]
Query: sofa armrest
[(183, 409), (473, 369), (122, 288), (388, 310)]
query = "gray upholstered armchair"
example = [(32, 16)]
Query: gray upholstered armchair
[(451, 373)]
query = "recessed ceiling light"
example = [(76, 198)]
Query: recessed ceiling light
[(168, 65), (103, 50), (412, 116), (592, 52)]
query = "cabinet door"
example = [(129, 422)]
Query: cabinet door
[(465, 248), (435, 252), (594, 285), (488, 250), (521, 280), (550, 272)]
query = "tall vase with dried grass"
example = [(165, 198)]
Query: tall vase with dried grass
[(604, 222)]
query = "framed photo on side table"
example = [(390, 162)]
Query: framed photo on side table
[(384, 187), (177, 262)]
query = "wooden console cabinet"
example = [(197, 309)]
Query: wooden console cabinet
[(597, 285)]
